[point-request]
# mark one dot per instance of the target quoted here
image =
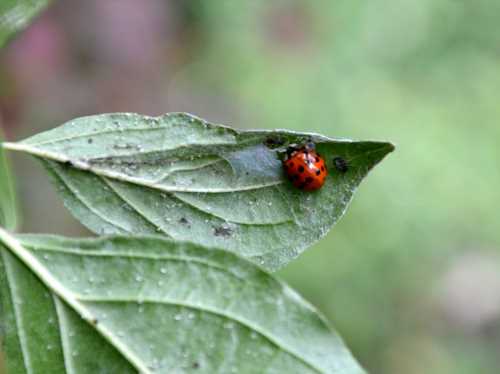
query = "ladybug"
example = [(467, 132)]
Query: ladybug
[(305, 168)]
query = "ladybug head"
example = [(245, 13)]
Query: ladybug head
[(309, 146)]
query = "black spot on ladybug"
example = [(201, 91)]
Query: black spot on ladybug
[(301, 169), (340, 164), (223, 231), (291, 165), (318, 172), (317, 159), (322, 168), (295, 177), (302, 185), (308, 180)]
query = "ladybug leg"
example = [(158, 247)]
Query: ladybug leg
[(292, 148)]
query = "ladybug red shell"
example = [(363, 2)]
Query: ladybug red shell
[(305, 168)]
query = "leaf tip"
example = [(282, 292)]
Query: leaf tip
[(390, 147), (383, 147)]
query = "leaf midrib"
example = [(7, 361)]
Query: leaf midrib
[(109, 131), (85, 166), (110, 183)]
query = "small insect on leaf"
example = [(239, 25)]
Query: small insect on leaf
[(340, 164)]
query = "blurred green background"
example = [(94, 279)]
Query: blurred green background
[(411, 276)]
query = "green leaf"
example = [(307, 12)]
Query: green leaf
[(126, 304), (187, 179), (15, 15), (8, 201)]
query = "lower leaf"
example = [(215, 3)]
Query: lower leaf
[(125, 304)]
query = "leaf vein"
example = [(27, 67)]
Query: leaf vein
[(225, 219), (15, 305), (84, 201), (221, 314), (127, 201), (142, 256), (181, 169), (65, 344)]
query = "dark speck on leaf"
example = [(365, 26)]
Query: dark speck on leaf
[(123, 146), (223, 231), (184, 221), (274, 142), (340, 164), (90, 140), (196, 365)]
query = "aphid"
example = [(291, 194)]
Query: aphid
[(274, 142), (340, 164), (305, 168)]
